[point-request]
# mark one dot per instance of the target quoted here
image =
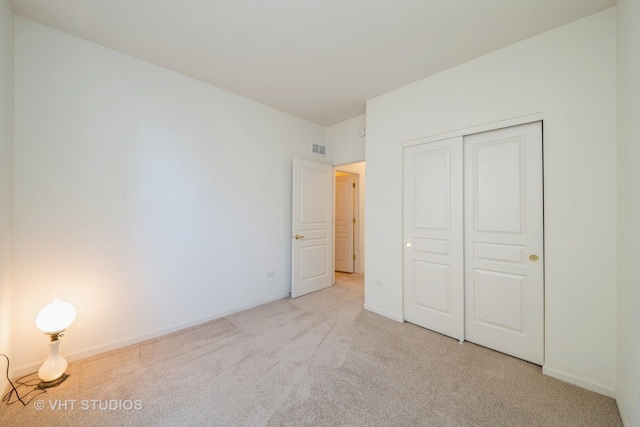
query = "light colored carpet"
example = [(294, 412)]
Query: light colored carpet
[(316, 360)]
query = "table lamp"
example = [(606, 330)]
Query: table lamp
[(53, 320)]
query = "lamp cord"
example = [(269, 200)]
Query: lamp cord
[(7, 397)]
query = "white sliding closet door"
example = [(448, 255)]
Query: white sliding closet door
[(504, 291), (433, 252), (473, 234)]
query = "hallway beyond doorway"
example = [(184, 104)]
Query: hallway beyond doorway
[(353, 282)]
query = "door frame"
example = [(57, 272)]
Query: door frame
[(355, 213), (515, 121), (521, 120), (357, 249)]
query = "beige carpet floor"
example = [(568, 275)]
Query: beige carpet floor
[(314, 361)]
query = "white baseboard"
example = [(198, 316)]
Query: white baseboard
[(4, 384), (24, 370), (623, 415), (586, 383), (384, 313)]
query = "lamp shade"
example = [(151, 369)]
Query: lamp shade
[(56, 317)]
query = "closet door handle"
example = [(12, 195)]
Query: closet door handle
[(533, 258)]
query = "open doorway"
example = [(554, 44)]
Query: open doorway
[(349, 182)]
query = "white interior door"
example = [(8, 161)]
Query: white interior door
[(312, 222), (345, 219), (433, 236), (504, 290)]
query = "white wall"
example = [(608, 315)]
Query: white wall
[(569, 75), (148, 199), (345, 145), (628, 387), (6, 181)]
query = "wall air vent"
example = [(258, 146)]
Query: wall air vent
[(318, 149)]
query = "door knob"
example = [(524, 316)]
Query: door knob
[(408, 244), (533, 257), (298, 237)]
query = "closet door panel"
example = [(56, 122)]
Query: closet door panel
[(433, 237), (504, 288)]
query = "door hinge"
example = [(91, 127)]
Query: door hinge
[(354, 185), (354, 256), (354, 220)]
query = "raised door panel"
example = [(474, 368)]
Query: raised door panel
[(433, 190), (499, 174)]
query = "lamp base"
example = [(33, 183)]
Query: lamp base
[(54, 383)]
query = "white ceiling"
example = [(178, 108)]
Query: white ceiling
[(319, 60)]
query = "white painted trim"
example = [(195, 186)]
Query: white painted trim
[(623, 415), (346, 168), (25, 370), (5, 389), (515, 121), (585, 383), (358, 229), (333, 227), (357, 249), (347, 163), (384, 313), (357, 215)]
